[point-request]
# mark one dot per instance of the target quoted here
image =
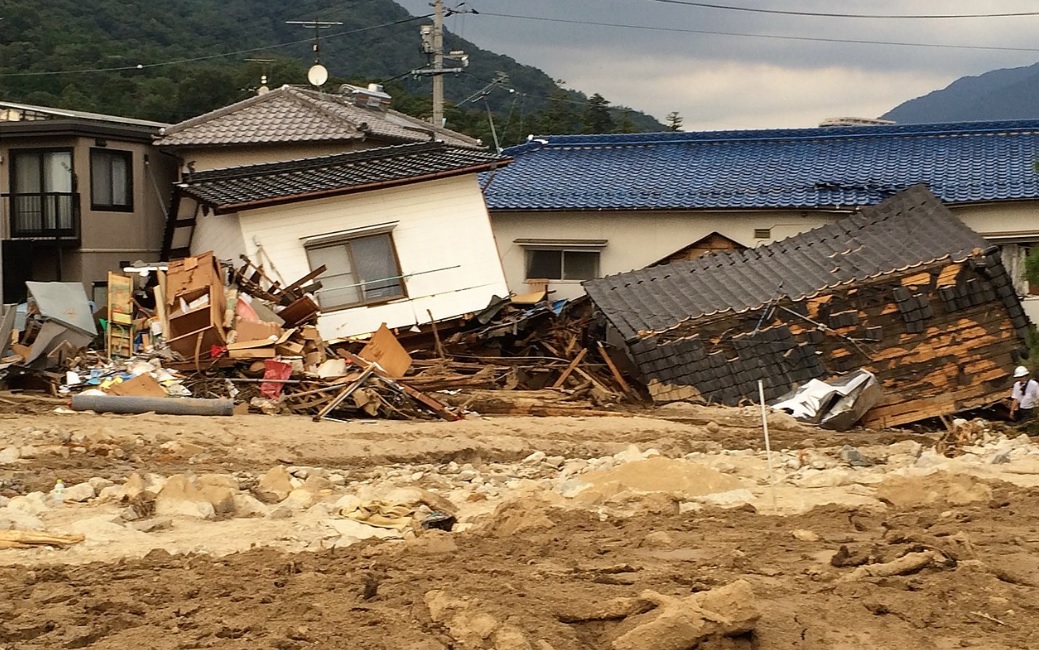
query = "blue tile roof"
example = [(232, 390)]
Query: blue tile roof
[(781, 168)]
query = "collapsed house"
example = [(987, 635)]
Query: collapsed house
[(902, 289)]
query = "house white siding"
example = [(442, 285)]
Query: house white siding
[(634, 240), (220, 233), (442, 238)]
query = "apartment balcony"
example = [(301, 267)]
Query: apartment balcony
[(44, 217)]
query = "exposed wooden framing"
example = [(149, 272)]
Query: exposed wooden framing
[(570, 369)]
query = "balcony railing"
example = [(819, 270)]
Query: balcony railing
[(45, 216)]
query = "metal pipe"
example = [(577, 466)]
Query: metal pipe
[(162, 405)]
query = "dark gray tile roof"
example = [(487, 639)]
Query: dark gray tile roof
[(910, 229), (288, 114), (235, 188)]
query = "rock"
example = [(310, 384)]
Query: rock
[(825, 478), (907, 447), (246, 505), (133, 486), (629, 455), (936, 488), (281, 511), (80, 492), (221, 497), (682, 623), (34, 503), (657, 539), (180, 498), (99, 529), (337, 480), (19, 520), (9, 455), (29, 451), (217, 480), (470, 627), (315, 484), (111, 493), (99, 483), (275, 485), (535, 458), (853, 457), (152, 525), (713, 427), (805, 535), (555, 461), (508, 637)]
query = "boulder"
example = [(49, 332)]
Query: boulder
[(220, 497), (180, 498), (33, 503), (246, 505), (80, 492), (19, 520), (99, 483), (275, 485)]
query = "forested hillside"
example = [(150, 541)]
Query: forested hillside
[(171, 60), (1009, 94)]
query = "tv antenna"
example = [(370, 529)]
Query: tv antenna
[(317, 75), (265, 68)]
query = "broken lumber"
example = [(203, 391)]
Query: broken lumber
[(31, 538), (908, 563)]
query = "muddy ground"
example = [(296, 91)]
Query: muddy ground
[(526, 570)]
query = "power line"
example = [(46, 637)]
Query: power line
[(146, 66), (707, 5), (816, 39)]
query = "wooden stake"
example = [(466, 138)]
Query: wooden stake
[(614, 370), (346, 392), (436, 335)]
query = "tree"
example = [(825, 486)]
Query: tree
[(674, 121), (597, 118)]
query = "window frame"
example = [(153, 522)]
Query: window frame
[(109, 154), (344, 242), (562, 246)]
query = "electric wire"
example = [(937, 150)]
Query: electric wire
[(209, 57), (813, 14), (815, 39)]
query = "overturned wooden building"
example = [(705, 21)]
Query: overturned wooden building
[(902, 289)]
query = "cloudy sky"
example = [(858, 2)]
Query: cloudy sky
[(727, 69)]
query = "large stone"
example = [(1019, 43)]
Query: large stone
[(19, 520), (682, 623), (246, 505), (218, 480), (80, 492), (275, 485), (220, 497), (33, 503), (134, 486), (180, 498), (9, 455), (99, 483)]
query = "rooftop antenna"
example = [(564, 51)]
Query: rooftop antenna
[(265, 71), (317, 75)]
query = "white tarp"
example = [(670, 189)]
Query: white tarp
[(834, 404)]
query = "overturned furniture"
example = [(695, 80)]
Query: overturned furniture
[(902, 289)]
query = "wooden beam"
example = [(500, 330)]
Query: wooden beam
[(570, 368)]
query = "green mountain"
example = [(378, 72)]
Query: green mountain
[(172, 60), (1009, 94)]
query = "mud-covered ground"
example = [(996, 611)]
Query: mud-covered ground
[(528, 571)]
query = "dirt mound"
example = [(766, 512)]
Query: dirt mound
[(936, 488), (681, 478)]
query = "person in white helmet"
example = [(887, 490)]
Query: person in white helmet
[(1024, 396)]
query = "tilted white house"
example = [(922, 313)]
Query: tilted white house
[(403, 231)]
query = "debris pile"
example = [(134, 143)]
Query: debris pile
[(194, 328)]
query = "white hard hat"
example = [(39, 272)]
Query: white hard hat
[(1020, 371)]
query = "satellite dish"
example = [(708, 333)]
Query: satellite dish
[(317, 75)]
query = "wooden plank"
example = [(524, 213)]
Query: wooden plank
[(617, 376), (570, 368), (343, 394), (436, 406)]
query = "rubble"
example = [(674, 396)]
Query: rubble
[(198, 328)]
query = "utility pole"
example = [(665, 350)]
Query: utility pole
[(433, 44), (438, 64)]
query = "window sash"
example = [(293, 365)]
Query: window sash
[(111, 185), (360, 271), (560, 264)]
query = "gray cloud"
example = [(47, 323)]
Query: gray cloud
[(722, 81)]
